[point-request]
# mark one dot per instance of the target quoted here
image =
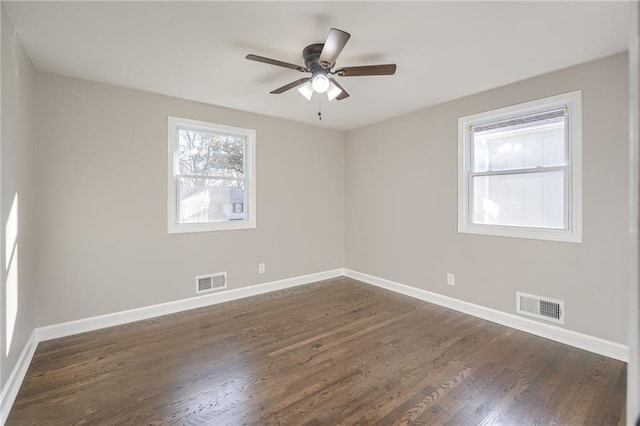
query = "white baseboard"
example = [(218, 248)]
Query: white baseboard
[(583, 341), (13, 383), (123, 317)]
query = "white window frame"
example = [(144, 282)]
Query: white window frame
[(573, 181), (174, 123)]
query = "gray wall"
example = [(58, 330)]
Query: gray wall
[(633, 367), (17, 176), (102, 222), (401, 206)]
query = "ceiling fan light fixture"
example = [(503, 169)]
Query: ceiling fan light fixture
[(333, 91), (306, 90), (319, 60), (320, 83)]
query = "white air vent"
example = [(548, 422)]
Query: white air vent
[(211, 282), (540, 307)]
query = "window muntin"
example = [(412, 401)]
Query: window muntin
[(519, 170), (212, 179)]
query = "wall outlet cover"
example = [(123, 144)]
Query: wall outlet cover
[(451, 279)]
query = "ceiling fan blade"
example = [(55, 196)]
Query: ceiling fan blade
[(386, 69), (290, 86), (332, 47), (269, 61), (342, 94)]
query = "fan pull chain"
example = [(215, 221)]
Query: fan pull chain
[(320, 108)]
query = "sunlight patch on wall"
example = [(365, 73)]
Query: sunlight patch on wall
[(11, 232), (11, 263), (12, 299)]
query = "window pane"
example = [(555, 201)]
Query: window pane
[(210, 154), (210, 200), (210, 177), (538, 143), (525, 199)]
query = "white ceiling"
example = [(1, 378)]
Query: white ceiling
[(196, 50)]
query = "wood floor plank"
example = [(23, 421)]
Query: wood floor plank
[(329, 353)]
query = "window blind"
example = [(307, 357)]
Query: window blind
[(518, 121)]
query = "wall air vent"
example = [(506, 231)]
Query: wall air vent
[(211, 282), (540, 307)]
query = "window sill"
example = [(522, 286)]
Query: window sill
[(210, 227)]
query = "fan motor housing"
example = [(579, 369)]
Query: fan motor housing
[(311, 54)]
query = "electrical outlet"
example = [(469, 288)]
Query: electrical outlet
[(261, 268), (451, 279)]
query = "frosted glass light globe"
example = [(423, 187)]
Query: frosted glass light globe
[(320, 83)]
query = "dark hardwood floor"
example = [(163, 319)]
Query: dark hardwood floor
[(335, 352)]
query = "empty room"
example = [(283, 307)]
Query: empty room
[(319, 213)]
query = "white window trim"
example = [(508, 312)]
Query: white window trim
[(172, 206), (573, 101)]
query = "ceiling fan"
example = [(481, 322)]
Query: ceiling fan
[(319, 59)]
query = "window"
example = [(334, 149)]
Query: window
[(520, 170), (211, 177)]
